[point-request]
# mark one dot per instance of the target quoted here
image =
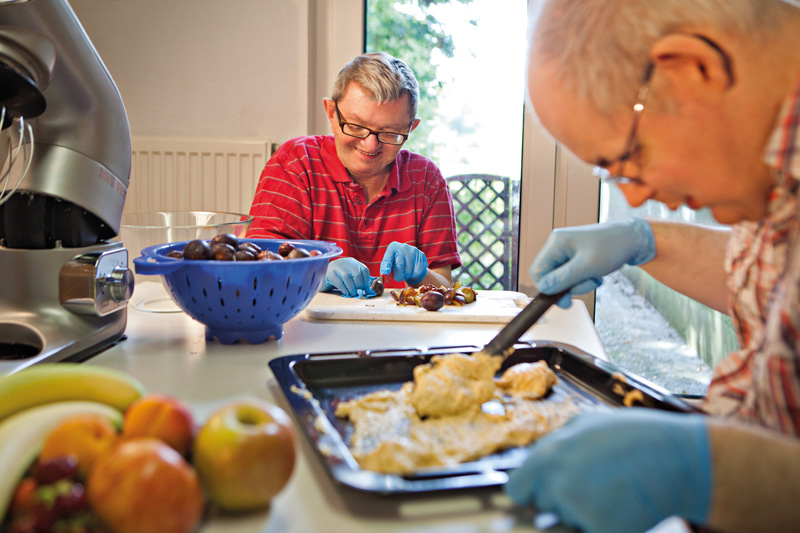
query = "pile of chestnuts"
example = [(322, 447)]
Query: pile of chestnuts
[(226, 247), (432, 298)]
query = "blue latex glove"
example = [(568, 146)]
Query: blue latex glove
[(349, 276), (577, 258), (405, 263), (619, 471)]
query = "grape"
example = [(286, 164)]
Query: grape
[(70, 502), (23, 524), (52, 470), (44, 518)]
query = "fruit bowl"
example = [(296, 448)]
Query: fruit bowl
[(240, 300)]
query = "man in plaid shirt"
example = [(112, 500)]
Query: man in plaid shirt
[(696, 103)]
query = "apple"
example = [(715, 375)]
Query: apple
[(163, 417), (245, 454), (143, 484)]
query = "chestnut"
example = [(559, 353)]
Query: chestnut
[(251, 246), (285, 248), (225, 238), (377, 286), (431, 301), (297, 253), (268, 255), (197, 249), (245, 255), (223, 252)]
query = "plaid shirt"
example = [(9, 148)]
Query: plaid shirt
[(761, 381), (306, 193)]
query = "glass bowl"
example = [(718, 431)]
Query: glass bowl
[(142, 229)]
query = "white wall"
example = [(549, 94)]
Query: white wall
[(259, 68), (203, 68)]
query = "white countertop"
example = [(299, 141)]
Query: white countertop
[(168, 353)]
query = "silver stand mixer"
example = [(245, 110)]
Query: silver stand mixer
[(65, 161)]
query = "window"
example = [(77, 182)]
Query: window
[(469, 57), (652, 330)]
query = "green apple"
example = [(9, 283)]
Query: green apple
[(245, 454)]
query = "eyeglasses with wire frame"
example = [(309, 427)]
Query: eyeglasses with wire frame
[(360, 132), (630, 146)]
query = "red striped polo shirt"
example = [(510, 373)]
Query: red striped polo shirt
[(306, 193)]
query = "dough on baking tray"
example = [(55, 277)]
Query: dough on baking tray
[(454, 411)]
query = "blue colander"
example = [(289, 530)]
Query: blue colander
[(240, 300)]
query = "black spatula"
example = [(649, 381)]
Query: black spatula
[(518, 325)]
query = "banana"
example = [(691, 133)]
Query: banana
[(55, 382), (23, 434)]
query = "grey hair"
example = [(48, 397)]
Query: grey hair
[(600, 47), (386, 77)]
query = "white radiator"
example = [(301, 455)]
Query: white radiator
[(186, 174)]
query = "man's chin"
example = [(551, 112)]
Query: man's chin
[(729, 216)]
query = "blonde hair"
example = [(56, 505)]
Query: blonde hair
[(385, 77)]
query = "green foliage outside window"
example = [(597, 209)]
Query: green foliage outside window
[(409, 31)]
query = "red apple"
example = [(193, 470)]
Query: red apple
[(245, 454), (163, 417), (145, 485)]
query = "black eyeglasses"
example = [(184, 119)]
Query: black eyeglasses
[(630, 145), (360, 132)]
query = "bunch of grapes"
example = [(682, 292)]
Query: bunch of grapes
[(52, 499)]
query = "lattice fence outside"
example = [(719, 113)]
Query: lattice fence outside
[(486, 208)]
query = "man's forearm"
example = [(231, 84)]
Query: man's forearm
[(756, 479), (438, 277), (690, 258)]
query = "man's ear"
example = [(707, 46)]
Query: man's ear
[(330, 110), (692, 61), (414, 125)]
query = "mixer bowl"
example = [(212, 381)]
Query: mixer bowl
[(241, 300)]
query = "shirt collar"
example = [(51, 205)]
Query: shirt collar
[(782, 151)]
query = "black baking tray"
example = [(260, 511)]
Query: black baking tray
[(314, 384)]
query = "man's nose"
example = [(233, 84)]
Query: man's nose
[(636, 193), (371, 141)]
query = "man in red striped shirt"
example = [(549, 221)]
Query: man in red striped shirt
[(389, 209)]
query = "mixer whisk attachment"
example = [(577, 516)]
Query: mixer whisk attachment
[(10, 154)]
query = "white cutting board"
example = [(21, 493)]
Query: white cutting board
[(490, 306)]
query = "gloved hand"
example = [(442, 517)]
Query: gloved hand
[(619, 471), (405, 263), (349, 276), (577, 258)]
